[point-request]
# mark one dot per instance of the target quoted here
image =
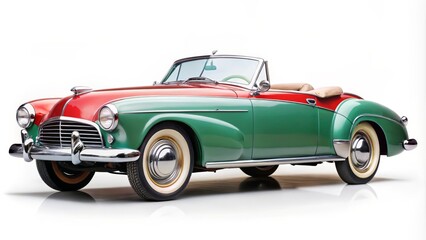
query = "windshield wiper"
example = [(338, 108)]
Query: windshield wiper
[(200, 79)]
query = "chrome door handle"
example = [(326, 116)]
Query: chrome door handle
[(311, 101)]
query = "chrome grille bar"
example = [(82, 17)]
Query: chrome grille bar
[(56, 132)]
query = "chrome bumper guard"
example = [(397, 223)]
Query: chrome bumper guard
[(409, 144), (76, 154)]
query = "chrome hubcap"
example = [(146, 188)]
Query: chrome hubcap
[(164, 162), (361, 151)]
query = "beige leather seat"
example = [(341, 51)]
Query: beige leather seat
[(326, 92), (302, 87), (323, 92)]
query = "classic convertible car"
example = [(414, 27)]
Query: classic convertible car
[(208, 113)]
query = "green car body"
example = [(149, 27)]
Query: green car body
[(226, 129)]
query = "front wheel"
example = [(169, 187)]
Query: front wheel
[(62, 179), (364, 157), (165, 166)]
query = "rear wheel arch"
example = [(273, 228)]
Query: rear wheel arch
[(379, 131), (381, 136), (385, 122)]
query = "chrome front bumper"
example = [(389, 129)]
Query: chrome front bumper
[(76, 154)]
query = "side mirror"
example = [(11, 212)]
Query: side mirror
[(264, 86), (155, 83)]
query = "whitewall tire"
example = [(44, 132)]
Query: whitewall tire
[(165, 166), (364, 157)]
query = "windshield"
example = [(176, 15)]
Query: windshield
[(223, 70)]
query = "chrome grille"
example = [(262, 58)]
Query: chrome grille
[(57, 133)]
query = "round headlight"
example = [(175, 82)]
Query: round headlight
[(108, 117), (25, 115)]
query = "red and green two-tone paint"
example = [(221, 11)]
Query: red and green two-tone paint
[(208, 113)]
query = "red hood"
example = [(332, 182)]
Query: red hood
[(87, 105)]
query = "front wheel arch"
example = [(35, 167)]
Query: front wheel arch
[(206, 129), (196, 145)]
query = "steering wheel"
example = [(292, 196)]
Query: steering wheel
[(228, 78)]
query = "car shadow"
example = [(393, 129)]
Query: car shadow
[(213, 197), (210, 187)]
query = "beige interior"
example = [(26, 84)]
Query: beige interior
[(323, 92), (303, 87), (326, 92)]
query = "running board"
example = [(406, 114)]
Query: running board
[(274, 161)]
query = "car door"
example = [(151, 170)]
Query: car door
[(285, 123)]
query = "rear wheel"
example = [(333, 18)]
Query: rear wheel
[(62, 179), (165, 166), (364, 157), (260, 171)]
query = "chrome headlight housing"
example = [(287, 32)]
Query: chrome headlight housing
[(108, 117), (25, 115)]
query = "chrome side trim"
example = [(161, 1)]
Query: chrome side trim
[(182, 111), (274, 161), (342, 147), (409, 144), (292, 102)]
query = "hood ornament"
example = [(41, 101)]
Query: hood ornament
[(78, 90)]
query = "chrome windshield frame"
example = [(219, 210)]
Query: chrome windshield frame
[(261, 63)]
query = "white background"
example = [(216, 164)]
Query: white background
[(374, 48)]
